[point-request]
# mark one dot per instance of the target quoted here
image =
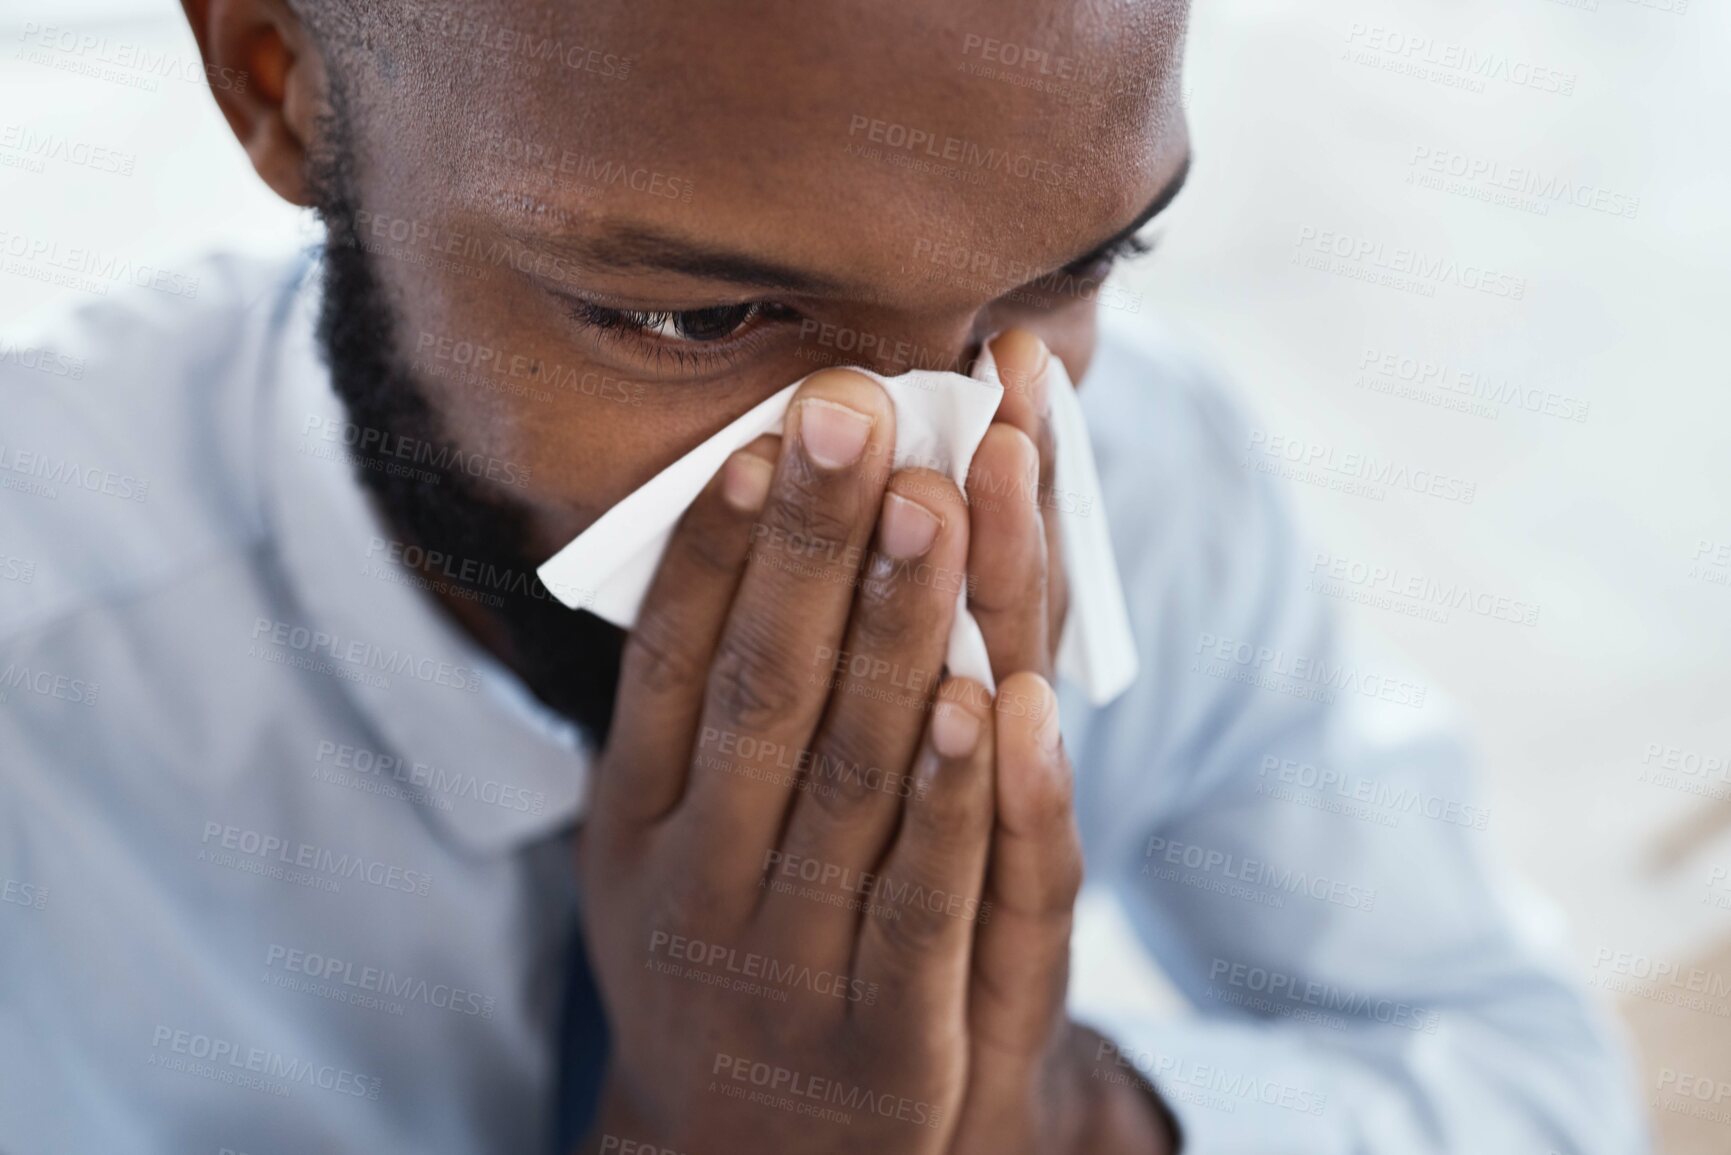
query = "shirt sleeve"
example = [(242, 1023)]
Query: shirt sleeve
[(1288, 823)]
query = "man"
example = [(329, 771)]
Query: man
[(337, 832)]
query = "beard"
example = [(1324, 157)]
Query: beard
[(569, 658)]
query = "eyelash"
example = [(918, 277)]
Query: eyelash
[(1129, 249), (634, 329), (646, 322), (637, 328)]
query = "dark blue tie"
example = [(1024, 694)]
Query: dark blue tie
[(583, 1050)]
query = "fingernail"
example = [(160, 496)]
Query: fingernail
[(955, 732), (745, 481), (1050, 733), (832, 435), (906, 529)]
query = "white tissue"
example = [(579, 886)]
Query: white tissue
[(940, 421)]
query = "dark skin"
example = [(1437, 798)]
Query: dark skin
[(702, 281)]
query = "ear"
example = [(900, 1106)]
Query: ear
[(268, 79)]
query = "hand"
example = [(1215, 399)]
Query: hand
[(1019, 592), (787, 848), (1036, 1081)]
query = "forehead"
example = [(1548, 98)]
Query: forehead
[(858, 133)]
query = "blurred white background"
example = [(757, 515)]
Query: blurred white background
[(1306, 124), (1598, 522)]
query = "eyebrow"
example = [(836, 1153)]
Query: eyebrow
[(644, 248), (641, 247)]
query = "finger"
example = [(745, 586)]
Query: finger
[(762, 701), (1025, 367), (886, 674), (1022, 954), (1022, 359), (1007, 553), (916, 934), (665, 666)]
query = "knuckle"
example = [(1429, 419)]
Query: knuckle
[(836, 803), (1010, 447), (659, 657), (888, 616), (1070, 890), (1020, 448), (714, 546), (911, 932), (750, 683), (1064, 881), (837, 782), (785, 1035), (805, 516), (688, 904), (1005, 472), (1052, 897), (955, 811), (1050, 811)]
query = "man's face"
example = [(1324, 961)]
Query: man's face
[(605, 229)]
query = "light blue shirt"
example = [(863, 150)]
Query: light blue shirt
[(284, 857)]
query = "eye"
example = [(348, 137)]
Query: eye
[(696, 325), (682, 327), (1098, 264), (680, 341)]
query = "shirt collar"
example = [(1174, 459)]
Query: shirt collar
[(481, 756)]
